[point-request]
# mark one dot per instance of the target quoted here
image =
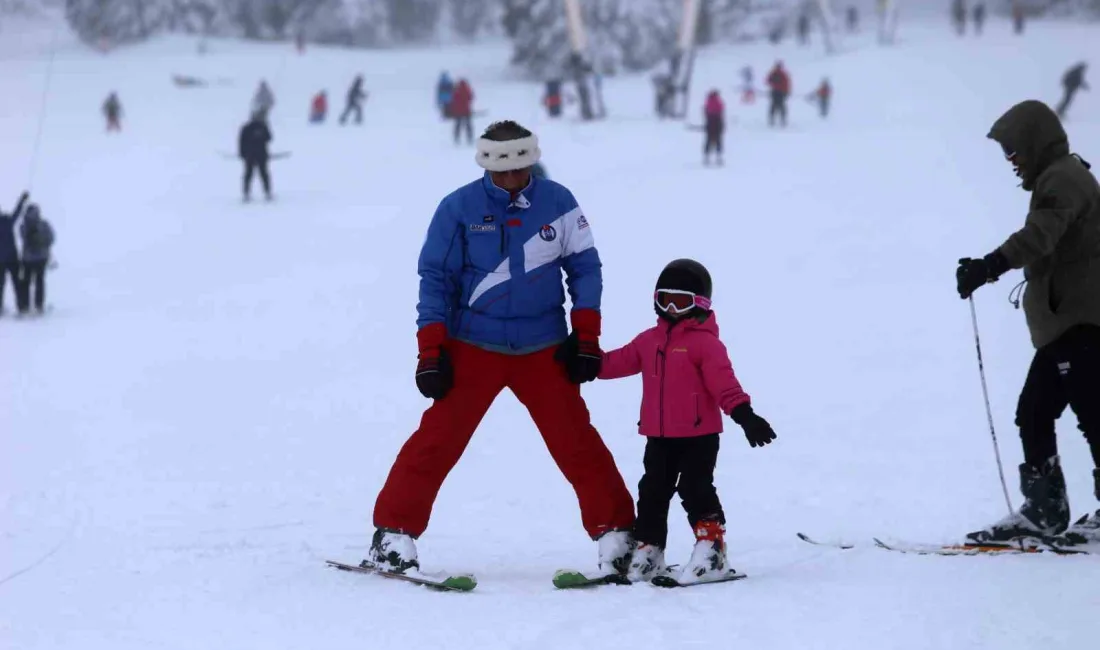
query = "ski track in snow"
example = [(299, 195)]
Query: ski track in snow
[(217, 399)]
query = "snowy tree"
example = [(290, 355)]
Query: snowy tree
[(116, 21), (413, 20), (623, 34), (470, 18)]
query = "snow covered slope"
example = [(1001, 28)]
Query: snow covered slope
[(218, 394)]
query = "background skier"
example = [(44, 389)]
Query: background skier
[(979, 18), (38, 239), (112, 110), (1072, 81), (552, 100), (714, 116), (462, 110), (821, 97), (264, 100), (355, 98), (779, 83), (318, 108), (252, 149), (1018, 18), (748, 87), (958, 15), (9, 256), (1059, 250), (803, 28), (444, 90), (481, 331)]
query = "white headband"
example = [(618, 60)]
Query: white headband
[(508, 155)]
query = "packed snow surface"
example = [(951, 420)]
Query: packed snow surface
[(214, 402)]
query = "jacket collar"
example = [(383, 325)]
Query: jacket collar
[(503, 199), (710, 325)]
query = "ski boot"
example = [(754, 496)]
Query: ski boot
[(615, 549), (1045, 512), (1087, 528), (708, 558), (647, 563), (391, 551)]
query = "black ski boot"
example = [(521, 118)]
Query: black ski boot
[(1045, 512), (1087, 528)]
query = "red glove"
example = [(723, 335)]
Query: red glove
[(434, 375)]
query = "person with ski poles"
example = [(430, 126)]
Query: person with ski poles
[(1072, 81), (1059, 250), (252, 149), (462, 111), (9, 257), (355, 98)]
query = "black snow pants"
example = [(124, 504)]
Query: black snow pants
[(1067, 99), (1064, 373), (684, 465), (713, 141), (34, 277), (252, 165), (12, 269), (352, 107), (778, 109), (463, 123)]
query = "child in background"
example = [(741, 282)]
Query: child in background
[(687, 384)]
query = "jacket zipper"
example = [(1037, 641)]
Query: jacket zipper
[(502, 227), (664, 363)]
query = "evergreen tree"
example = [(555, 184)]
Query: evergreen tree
[(413, 20), (116, 21)]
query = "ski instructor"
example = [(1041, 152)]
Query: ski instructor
[(491, 316), (1059, 250)]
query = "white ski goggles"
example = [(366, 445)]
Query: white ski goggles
[(678, 301)]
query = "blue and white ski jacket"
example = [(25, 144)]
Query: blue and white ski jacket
[(491, 267)]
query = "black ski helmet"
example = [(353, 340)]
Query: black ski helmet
[(686, 275)]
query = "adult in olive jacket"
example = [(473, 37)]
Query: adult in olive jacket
[(1059, 250)]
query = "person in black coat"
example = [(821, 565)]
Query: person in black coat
[(252, 149), (356, 95), (9, 256), (1072, 81)]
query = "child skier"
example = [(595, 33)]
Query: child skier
[(748, 90), (38, 239), (112, 110), (714, 114), (821, 97), (687, 383), (318, 108)]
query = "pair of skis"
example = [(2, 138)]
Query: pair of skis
[(563, 579), (1022, 545)]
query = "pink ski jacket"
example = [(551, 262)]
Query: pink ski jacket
[(687, 378)]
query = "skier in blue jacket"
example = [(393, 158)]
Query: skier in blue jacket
[(492, 316)]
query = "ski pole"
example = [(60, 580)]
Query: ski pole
[(988, 408), (42, 112)]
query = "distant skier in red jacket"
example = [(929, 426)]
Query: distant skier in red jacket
[(461, 110), (779, 83), (318, 108), (821, 97), (714, 115), (687, 385)]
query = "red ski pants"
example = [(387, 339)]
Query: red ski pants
[(559, 412)]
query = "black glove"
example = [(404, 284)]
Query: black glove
[(434, 375), (582, 358), (757, 430), (974, 273)]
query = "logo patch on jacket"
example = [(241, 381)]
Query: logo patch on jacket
[(548, 233), (487, 218), (582, 223), (483, 227)]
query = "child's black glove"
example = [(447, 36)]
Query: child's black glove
[(757, 430)]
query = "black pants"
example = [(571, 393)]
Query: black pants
[(778, 109), (1067, 99), (34, 277), (250, 167), (823, 106), (13, 269), (1064, 373), (462, 122), (352, 107), (713, 141), (684, 465)]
